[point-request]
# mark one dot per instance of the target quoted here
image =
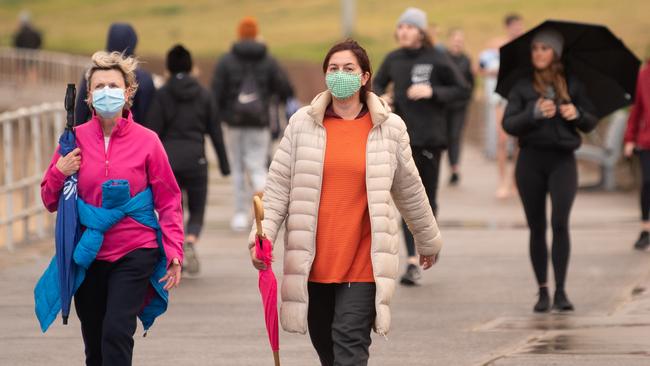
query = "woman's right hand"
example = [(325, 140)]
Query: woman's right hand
[(70, 163), (629, 149), (257, 263), (547, 107)]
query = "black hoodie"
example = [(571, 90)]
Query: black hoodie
[(121, 38), (425, 118), (231, 70), (547, 133), (182, 113)]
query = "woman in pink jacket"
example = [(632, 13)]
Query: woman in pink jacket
[(112, 146), (637, 137)]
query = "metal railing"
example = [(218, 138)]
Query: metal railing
[(29, 137), (23, 65)]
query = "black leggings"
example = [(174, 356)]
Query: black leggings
[(428, 163), (195, 186), (538, 173), (455, 124), (644, 156)]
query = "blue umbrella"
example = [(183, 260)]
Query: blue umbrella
[(68, 230)]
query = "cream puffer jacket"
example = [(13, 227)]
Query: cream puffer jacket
[(293, 190)]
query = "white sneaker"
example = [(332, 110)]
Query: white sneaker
[(240, 222)]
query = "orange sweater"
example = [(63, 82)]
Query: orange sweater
[(343, 236)]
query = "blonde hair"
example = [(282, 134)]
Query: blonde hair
[(103, 60)]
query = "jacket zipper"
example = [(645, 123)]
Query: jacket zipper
[(320, 189), (372, 236), (107, 150)]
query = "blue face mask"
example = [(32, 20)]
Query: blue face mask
[(108, 102)]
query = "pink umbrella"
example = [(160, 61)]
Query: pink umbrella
[(267, 282)]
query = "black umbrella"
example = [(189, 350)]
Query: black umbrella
[(591, 53)]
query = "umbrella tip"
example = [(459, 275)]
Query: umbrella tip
[(65, 320)]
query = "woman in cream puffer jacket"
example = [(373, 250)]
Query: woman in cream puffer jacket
[(292, 196)]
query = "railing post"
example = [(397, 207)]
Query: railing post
[(9, 179), (36, 124)]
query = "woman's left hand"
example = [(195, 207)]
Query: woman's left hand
[(569, 111), (427, 261), (173, 275)]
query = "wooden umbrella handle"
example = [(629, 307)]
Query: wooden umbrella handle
[(276, 357), (258, 207)]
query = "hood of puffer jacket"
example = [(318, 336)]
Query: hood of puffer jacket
[(378, 108)]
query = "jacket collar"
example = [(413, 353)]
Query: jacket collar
[(121, 128), (379, 110)]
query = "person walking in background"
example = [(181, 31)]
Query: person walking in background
[(27, 37), (112, 148), (425, 82), (495, 104), (121, 38), (344, 156), (457, 111), (182, 113), (547, 130), (637, 138), (244, 81)]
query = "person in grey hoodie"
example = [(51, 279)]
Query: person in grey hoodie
[(121, 38), (182, 113)]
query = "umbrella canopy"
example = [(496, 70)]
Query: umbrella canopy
[(268, 285), (592, 53), (67, 229)]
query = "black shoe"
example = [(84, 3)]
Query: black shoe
[(191, 261), (412, 276), (561, 301), (454, 179), (544, 302), (643, 242)]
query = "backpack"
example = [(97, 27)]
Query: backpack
[(248, 108)]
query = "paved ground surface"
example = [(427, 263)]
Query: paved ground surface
[(473, 308)]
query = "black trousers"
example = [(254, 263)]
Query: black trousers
[(194, 183), (455, 124), (340, 318), (108, 303), (428, 163), (644, 157), (539, 173)]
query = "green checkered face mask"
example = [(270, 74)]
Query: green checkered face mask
[(343, 84)]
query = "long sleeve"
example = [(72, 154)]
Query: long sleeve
[(155, 120), (587, 119), (277, 190), (167, 201), (52, 184), (454, 86), (216, 136), (411, 200), (519, 115), (219, 85), (631, 132), (381, 78)]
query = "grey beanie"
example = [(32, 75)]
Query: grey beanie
[(415, 17), (551, 38)]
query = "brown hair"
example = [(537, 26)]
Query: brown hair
[(511, 18), (552, 76), (362, 58)]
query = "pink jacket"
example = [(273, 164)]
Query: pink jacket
[(136, 154)]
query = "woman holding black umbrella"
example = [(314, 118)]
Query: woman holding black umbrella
[(546, 109)]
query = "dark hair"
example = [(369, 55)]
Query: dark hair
[(362, 58), (511, 18)]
